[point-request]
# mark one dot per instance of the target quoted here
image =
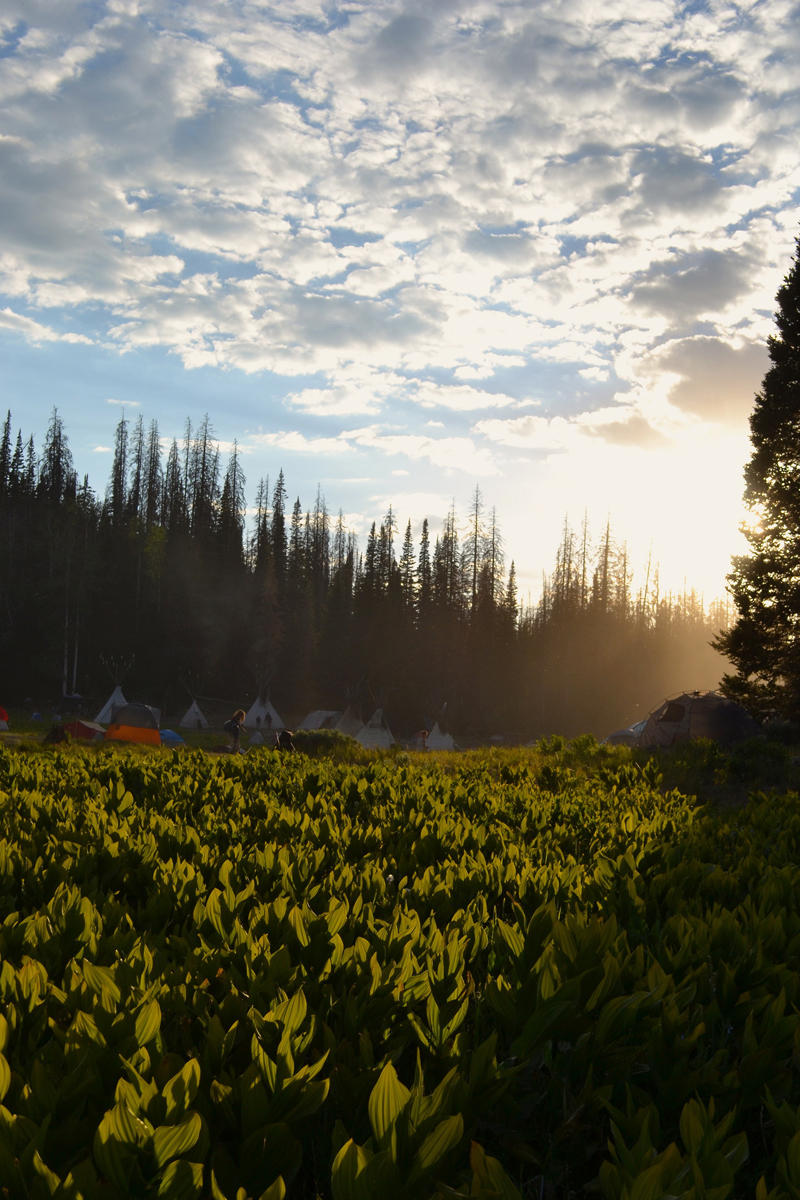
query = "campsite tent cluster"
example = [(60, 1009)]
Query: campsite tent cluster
[(139, 723), (133, 722), (686, 717)]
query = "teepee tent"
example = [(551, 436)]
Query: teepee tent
[(321, 718), (193, 718), (115, 700), (349, 723), (436, 740), (375, 735), (261, 715)]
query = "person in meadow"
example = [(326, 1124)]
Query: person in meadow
[(283, 740), (234, 726)]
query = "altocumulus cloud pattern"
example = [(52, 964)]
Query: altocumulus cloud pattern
[(548, 222)]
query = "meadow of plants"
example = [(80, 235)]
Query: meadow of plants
[(538, 974)]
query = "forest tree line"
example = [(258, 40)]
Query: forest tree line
[(165, 580)]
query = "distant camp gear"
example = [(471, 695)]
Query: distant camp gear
[(193, 718), (376, 734), (134, 723), (687, 716), (114, 702), (87, 731)]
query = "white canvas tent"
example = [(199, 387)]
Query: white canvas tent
[(349, 723), (436, 740), (321, 718), (115, 700), (375, 735), (262, 716), (193, 718)]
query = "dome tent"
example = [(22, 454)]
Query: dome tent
[(625, 737), (134, 723), (692, 715), (171, 739)]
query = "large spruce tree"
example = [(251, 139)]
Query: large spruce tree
[(764, 643)]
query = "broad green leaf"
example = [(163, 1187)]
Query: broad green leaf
[(101, 981), (692, 1127), (148, 1023), (51, 1181), (275, 1191), (112, 1157), (5, 1077), (216, 1191), (181, 1180), (440, 1142), (181, 1090), (347, 1173), (649, 1184), (499, 1182), (481, 1069), (387, 1100), (175, 1141)]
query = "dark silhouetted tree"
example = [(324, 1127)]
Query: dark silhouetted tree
[(764, 643)]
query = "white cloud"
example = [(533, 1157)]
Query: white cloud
[(34, 331), (468, 208), (125, 403), (423, 190)]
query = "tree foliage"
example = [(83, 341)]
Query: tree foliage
[(764, 643), (166, 574)]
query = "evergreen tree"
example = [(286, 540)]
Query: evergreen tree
[(174, 515), (117, 493), (5, 459), (230, 521), (407, 581), (278, 526), (424, 572), (153, 478), (473, 547), (56, 473), (297, 543), (136, 454), (16, 472), (30, 475), (764, 644)]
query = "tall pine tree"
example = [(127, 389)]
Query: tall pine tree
[(764, 643)]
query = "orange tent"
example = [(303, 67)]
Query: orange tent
[(134, 723)]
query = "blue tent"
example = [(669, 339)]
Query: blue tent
[(169, 738)]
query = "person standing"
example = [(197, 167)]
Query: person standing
[(234, 726)]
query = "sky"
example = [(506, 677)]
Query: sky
[(403, 249)]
